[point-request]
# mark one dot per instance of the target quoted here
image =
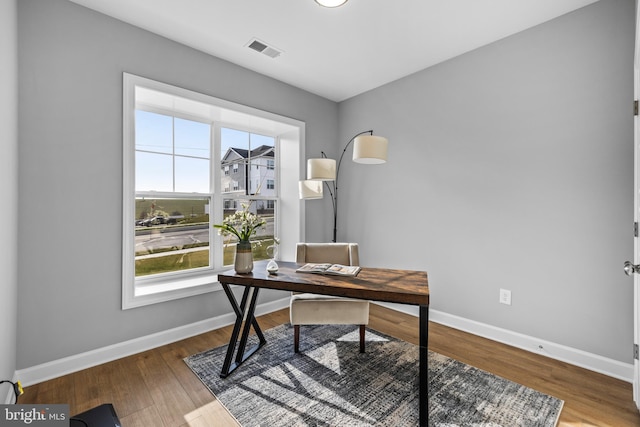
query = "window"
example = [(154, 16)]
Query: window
[(184, 170), (172, 193), (249, 153)]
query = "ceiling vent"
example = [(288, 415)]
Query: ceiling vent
[(263, 48)]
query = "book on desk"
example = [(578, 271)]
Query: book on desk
[(327, 268)]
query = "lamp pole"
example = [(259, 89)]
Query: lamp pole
[(333, 192)]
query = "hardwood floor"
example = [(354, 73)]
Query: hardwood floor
[(156, 388)]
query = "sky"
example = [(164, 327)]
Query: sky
[(157, 136)]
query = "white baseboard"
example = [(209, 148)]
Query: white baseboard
[(67, 365), (583, 359)]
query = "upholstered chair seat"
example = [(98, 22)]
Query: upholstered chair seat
[(312, 309)]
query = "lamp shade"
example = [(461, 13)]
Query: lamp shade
[(370, 149), (310, 189), (321, 169)]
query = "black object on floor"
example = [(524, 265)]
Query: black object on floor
[(100, 416)]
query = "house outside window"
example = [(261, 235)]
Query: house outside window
[(185, 170), (249, 153)]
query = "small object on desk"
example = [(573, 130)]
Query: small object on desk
[(326, 268), (272, 266)]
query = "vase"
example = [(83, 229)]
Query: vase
[(244, 258)]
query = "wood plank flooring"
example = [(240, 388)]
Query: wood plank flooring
[(156, 388)]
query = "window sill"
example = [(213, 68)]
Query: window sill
[(171, 289)]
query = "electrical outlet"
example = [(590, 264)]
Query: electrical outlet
[(505, 296)]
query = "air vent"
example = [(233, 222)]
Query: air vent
[(264, 48)]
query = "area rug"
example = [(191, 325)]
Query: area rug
[(330, 383)]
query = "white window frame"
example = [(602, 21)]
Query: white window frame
[(289, 135)]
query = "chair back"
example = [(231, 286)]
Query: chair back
[(334, 253)]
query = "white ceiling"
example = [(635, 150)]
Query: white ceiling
[(336, 53)]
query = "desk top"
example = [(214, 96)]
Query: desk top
[(376, 284)]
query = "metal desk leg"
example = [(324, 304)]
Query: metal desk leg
[(239, 311), (424, 366), (244, 313), (248, 319)]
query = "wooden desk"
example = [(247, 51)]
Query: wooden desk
[(375, 284)]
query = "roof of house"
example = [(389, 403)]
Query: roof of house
[(261, 151)]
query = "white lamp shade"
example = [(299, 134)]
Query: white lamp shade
[(310, 189), (370, 149), (321, 169)]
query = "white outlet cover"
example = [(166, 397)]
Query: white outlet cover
[(505, 296)]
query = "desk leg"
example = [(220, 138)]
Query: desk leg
[(244, 314), (424, 366)]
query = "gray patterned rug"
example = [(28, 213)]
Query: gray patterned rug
[(330, 383)]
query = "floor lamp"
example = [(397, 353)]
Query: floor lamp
[(367, 149)]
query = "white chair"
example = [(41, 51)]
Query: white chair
[(312, 309)]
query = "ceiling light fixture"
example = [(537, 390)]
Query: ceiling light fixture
[(331, 3)]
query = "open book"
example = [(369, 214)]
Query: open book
[(325, 268)]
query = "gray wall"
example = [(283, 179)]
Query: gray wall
[(511, 167), (71, 61), (8, 191)]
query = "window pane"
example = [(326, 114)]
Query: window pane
[(192, 138), (192, 175), (231, 138), (264, 237), (262, 165), (154, 132), (154, 172), (258, 140), (249, 160), (171, 235), (234, 146)]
